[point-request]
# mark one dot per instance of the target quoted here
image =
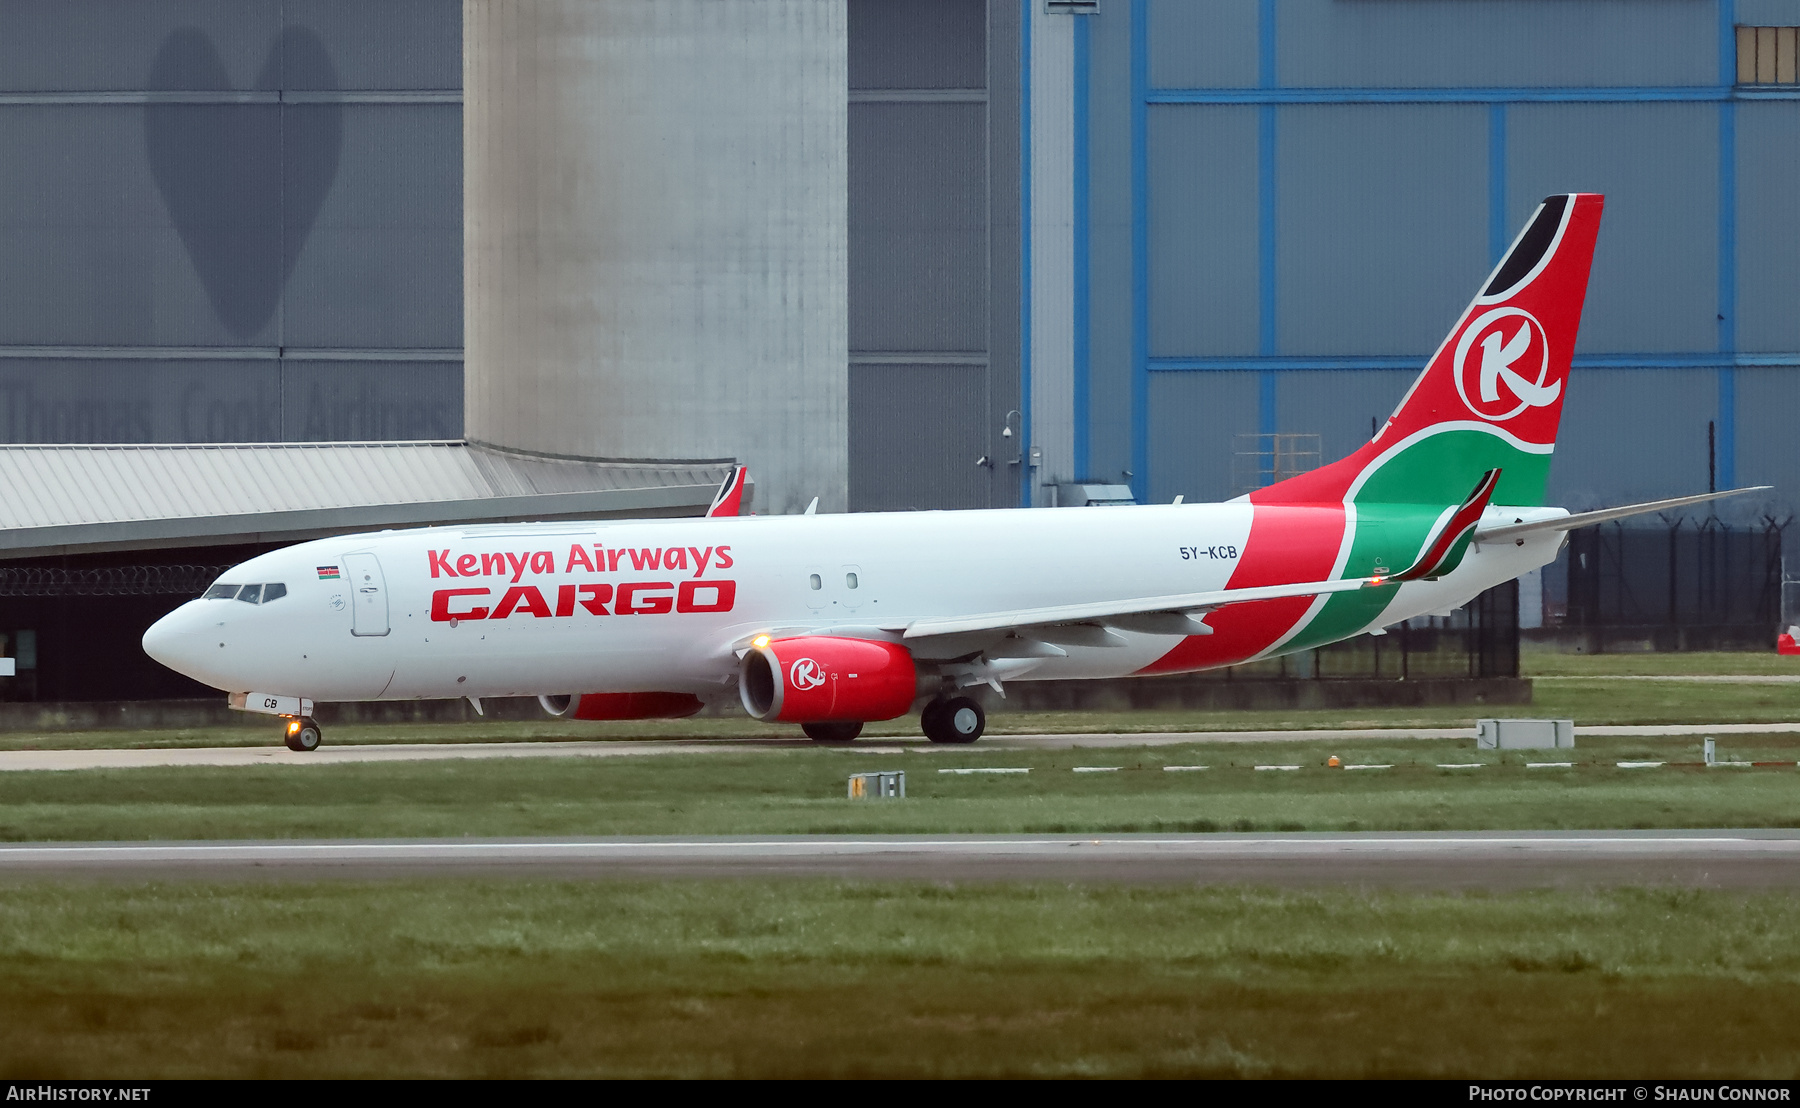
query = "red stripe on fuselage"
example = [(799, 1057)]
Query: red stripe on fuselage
[(1288, 544)]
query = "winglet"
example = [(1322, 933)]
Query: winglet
[(730, 497), (1445, 548)]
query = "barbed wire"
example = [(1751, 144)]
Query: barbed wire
[(175, 580)]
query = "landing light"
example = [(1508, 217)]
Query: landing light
[(760, 641)]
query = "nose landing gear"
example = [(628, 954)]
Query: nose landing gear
[(956, 719), (303, 734)]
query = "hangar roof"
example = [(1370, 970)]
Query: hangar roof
[(78, 499)]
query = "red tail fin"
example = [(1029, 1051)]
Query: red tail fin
[(730, 498), (1492, 395)]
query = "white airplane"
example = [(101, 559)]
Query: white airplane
[(834, 621)]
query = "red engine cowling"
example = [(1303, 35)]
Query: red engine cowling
[(625, 705), (819, 679)]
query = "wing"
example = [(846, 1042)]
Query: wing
[(1128, 613)]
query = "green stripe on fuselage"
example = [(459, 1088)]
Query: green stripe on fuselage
[(1444, 468), (1386, 539), (1396, 508)]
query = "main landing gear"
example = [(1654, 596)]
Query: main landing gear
[(303, 734), (832, 732), (956, 719)]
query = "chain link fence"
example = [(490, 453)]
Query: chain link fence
[(1686, 584)]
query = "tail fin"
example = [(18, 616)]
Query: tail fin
[(1492, 395), (729, 500)]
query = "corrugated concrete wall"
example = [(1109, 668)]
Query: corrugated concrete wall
[(656, 235), (229, 222)]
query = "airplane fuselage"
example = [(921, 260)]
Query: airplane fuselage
[(667, 605)]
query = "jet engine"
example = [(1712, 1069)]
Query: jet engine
[(817, 679), (627, 705)]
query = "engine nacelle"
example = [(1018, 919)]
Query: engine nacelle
[(819, 679), (625, 705)]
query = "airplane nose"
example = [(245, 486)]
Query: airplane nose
[(171, 640)]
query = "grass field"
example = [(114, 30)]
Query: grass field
[(456, 977), (1551, 663), (827, 979), (802, 790)]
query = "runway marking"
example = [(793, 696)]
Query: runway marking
[(1390, 765), (1098, 769), (1460, 765), (1184, 769), (1549, 765), (985, 770), (1641, 765), (1277, 767)]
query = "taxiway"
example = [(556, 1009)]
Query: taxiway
[(1448, 860), (329, 755)]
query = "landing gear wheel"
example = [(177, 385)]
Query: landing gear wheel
[(832, 732), (957, 720), (930, 717), (303, 735)]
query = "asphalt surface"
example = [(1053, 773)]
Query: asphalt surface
[(1448, 860), (329, 755)]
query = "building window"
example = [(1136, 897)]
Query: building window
[(1765, 55)]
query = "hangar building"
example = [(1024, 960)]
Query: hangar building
[(1013, 247)]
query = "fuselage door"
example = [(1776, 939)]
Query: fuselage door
[(369, 595)]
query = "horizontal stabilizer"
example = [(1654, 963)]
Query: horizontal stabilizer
[(1103, 610), (1499, 532)]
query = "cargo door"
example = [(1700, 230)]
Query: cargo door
[(369, 606)]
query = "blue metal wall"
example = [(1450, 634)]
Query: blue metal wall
[(1283, 204)]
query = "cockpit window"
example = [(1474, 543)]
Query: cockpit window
[(249, 594)]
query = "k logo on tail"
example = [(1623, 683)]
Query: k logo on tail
[(1519, 361)]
